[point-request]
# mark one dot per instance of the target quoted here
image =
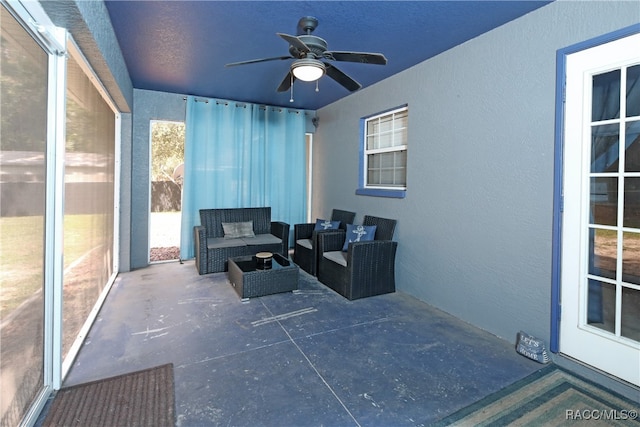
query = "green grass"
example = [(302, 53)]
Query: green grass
[(22, 252)]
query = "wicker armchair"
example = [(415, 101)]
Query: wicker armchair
[(306, 240), (366, 269)]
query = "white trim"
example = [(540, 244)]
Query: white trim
[(57, 113), (366, 152), (53, 41), (82, 61), (117, 164), (36, 22), (309, 146), (615, 354)]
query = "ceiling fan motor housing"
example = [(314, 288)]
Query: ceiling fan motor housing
[(317, 46)]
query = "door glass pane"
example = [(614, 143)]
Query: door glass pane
[(602, 254), (604, 201), (632, 202), (601, 305), (633, 91), (630, 314), (631, 258), (89, 200), (604, 148), (632, 147), (23, 102), (606, 96)]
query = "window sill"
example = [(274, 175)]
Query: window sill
[(396, 194)]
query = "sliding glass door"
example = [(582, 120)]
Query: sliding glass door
[(89, 186), (58, 186), (23, 172)]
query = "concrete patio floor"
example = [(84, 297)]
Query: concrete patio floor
[(307, 358)]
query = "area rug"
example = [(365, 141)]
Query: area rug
[(142, 398), (549, 397)]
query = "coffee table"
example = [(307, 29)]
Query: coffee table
[(250, 282)]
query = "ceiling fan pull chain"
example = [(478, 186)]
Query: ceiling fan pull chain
[(291, 99), (317, 90)]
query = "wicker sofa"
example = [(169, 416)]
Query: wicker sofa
[(213, 250)]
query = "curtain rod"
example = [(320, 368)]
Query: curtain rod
[(261, 106), (206, 101)]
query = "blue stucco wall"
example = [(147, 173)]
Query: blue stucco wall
[(475, 229), (90, 26)]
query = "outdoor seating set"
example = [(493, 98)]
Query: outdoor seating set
[(234, 232), (356, 261)]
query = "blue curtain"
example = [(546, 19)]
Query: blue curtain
[(242, 155)]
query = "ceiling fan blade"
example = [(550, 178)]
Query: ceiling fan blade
[(363, 57), (286, 82), (295, 42), (253, 61), (346, 81)]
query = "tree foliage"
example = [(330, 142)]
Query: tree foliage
[(167, 144), (22, 90)]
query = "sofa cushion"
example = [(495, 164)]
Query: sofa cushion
[(261, 239), (305, 243), (337, 256), (222, 242), (359, 233), (325, 224), (236, 230)]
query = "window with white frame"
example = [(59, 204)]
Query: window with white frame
[(384, 158)]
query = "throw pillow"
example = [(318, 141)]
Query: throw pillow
[(236, 230), (325, 224), (359, 233)]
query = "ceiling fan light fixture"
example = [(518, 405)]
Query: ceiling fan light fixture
[(308, 69)]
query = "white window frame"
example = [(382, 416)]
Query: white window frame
[(379, 190)]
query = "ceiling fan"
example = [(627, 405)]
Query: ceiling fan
[(311, 58)]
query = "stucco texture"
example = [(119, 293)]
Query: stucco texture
[(475, 229)]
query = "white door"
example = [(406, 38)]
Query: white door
[(600, 280)]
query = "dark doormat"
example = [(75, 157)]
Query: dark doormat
[(549, 397), (142, 398)]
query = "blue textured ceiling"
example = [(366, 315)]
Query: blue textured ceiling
[(183, 46)]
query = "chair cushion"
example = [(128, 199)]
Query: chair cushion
[(305, 243), (236, 230), (261, 239), (337, 256), (359, 233), (222, 242), (325, 224)]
